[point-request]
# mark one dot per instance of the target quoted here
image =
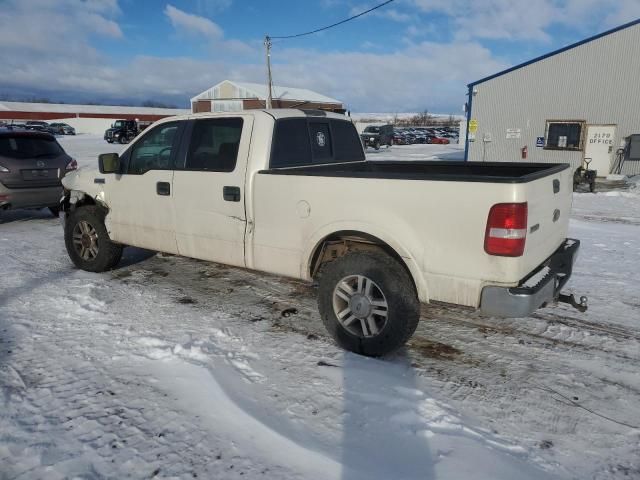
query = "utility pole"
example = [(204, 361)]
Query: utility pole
[(267, 44)]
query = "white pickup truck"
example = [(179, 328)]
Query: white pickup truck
[(289, 192)]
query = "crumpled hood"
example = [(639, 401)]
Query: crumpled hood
[(83, 180)]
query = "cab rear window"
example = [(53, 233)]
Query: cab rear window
[(28, 147), (303, 141)]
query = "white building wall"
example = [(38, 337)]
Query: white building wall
[(596, 82)]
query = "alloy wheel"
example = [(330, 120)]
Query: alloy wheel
[(360, 306)]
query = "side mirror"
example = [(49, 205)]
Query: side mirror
[(109, 163)]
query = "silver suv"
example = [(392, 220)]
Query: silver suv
[(32, 164)]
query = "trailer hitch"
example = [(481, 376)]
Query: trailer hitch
[(571, 300)]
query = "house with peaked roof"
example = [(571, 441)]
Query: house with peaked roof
[(574, 105), (232, 96)]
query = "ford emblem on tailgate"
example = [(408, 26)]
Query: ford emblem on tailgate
[(40, 164)]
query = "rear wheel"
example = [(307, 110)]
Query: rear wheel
[(368, 303), (87, 241)]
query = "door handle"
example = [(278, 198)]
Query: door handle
[(231, 194), (163, 188)]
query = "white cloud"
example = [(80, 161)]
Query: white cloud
[(47, 50), (195, 25), (192, 24), (529, 20), (384, 12)]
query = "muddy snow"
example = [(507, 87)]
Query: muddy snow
[(175, 368)]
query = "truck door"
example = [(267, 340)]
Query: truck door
[(209, 190), (141, 210), (599, 147)]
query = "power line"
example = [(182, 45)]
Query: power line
[(333, 25)]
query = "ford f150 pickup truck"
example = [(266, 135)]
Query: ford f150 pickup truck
[(290, 192)]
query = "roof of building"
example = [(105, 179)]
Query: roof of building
[(556, 52), (93, 109), (261, 92)]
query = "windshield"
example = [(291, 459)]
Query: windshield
[(119, 124), (29, 147), (372, 129)]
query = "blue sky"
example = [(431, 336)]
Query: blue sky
[(410, 55)]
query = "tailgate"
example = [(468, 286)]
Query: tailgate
[(549, 206)]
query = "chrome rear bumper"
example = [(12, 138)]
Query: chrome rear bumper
[(526, 298)]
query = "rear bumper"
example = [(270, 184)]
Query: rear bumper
[(29, 197), (540, 287)]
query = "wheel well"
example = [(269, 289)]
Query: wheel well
[(340, 243), (81, 200)]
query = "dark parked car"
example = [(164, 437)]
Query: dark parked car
[(32, 165), (60, 128), (38, 125), (123, 131), (375, 136)]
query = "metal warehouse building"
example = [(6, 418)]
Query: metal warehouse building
[(581, 101)]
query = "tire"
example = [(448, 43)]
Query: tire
[(376, 145), (93, 251), (391, 283), (123, 139), (55, 211), (109, 141), (592, 186)]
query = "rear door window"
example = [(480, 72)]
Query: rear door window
[(20, 147), (214, 145)]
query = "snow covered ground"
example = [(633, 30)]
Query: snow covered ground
[(175, 368)]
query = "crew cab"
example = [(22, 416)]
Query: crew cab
[(290, 192)]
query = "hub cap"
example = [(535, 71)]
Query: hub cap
[(85, 240), (360, 306)]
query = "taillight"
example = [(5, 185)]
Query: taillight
[(506, 231), (4, 169), (72, 165)]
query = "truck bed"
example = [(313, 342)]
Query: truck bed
[(486, 172)]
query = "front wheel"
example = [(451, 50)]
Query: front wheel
[(368, 303), (87, 241)]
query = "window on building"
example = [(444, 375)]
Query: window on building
[(633, 147), (214, 145), (564, 135)]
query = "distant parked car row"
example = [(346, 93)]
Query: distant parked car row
[(56, 128), (413, 135), (376, 136)]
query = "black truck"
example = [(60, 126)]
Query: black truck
[(375, 136), (122, 131)]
